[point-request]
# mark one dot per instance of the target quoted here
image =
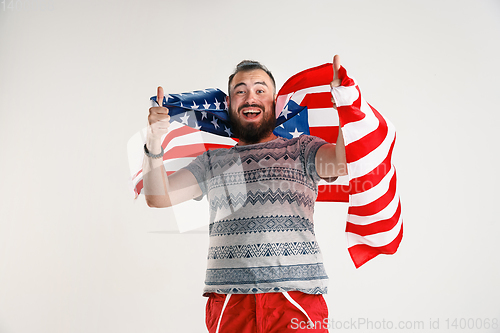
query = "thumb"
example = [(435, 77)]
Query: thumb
[(159, 96), (336, 66)]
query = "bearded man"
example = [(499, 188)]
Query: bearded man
[(265, 270)]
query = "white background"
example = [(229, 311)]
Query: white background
[(78, 254)]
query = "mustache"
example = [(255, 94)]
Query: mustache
[(251, 106)]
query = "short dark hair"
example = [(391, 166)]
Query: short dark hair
[(246, 66)]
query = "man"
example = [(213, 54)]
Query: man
[(265, 271)]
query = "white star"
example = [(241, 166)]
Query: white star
[(194, 106), (217, 104), (228, 131), (182, 105), (216, 125), (285, 112), (203, 115), (225, 104), (169, 97), (296, 134), (206, 105), (283, 127), (185, 118), (197, 126)]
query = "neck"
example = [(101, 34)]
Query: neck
[(270, 137)]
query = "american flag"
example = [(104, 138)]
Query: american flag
[(374, 222), (303, 106)]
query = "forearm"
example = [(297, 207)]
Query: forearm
[(155, 178), (331, 160)]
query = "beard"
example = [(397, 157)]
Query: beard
[(253, 132)]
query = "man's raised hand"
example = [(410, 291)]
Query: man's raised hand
[(158, 118)]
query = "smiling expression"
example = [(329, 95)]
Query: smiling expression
[(251, 106)]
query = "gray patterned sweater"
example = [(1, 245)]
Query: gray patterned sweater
[(261, 200)]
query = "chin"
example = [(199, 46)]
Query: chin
[(254, 132)]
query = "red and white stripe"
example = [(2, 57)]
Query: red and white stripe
[(374, 222)]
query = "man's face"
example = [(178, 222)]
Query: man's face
[(251, 106)]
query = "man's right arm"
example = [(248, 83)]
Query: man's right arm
[(159, 189)]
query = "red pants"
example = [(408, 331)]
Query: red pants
[(266, 313)]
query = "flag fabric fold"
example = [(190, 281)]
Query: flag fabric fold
[(204, 110), (374, 221), (374, 224)]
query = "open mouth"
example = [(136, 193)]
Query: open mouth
[(251, 113)]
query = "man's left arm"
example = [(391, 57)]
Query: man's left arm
[(330, 158)]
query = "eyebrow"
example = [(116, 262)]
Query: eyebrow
[(244, 84)]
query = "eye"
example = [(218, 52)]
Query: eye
[(260, 91)]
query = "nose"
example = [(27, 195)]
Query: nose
[(251, 98)]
